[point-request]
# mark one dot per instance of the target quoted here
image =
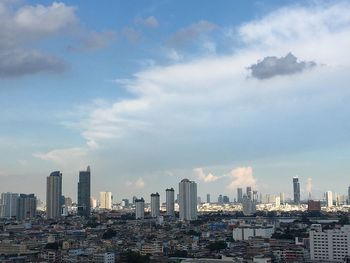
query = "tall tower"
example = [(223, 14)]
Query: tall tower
[(239, 195), (208, 198), (170, 202), (140, 208), (249, 193), (188, 200), (106, 200), (26, 206), (54, 195), (84, 192), (8, 205), (296, 190), (329, 198), (155, 205)]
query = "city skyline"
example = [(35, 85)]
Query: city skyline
[(235, 94)]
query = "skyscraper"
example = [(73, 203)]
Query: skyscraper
[(208, 198), (239, 195), (249, 192), (26, 206), (170, 202), (84, 192), (155, 205), (106, 200), (139, 208), (54, 195), (329, 198), (188, 200), (296, 190), (8, 205)]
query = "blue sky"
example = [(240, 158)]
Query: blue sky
[(228, 93)]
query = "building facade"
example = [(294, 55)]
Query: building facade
[(54, 195), (331, 244), (140, 208), (170, 202), (155, 205), (105, 200), (26, 206), (187, 200), (296, 190), (84, 192), (329, 198), (239, 195), (8, 205)]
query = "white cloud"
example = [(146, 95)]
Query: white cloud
[(136, 185), (150, 21), (207, 108), (64, 157), (242, 177), (203, 177)]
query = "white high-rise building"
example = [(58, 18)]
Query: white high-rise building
[(329, 198), (170, 202), (54, 199), (105, 200), (188, 200), (8, 205), (139, 208), (155, 205), (331, 244)]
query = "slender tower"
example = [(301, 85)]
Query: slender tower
[(84, 192), (188, 200), (296, 190), (170, 202), (54, 195)]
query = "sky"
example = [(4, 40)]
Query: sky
[(226, 93)]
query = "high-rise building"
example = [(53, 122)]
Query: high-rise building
[(139, 208), (220, 201), (8, 205), (170, 202), (225, 199), (84, 192), (329, 198), (208, 198), (249, 192), (239, 195), (93, 202), (105, 200), (296, 190), (282, 198), (248, 206), (155, 205), (54, 195), (187, 200), (255, 196), (331, 245), (26, 206), (125, 202)]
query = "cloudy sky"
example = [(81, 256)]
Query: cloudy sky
[(226, 93)]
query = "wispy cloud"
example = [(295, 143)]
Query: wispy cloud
[(138, 184), (203, 177), (150, 21)]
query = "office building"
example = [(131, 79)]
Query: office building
[(282, 198), (249, 193), (313, 206), (255, 196), (187, 200), (84, 192), (239, 195), (105, 200), (220, 201), (170, 202), (208, 198), (54, 195), (225, 199), (332, 244), (26, 206), (248, 206), (296, 190), (139, 208), (155, 205), (329, 198), (125, 202), (8, 205)]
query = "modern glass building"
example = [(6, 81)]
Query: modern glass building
[(84, 192)]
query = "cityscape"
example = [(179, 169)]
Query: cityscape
[(174, 131), (251, 228)]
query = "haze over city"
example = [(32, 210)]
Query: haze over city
[(226, 93)]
